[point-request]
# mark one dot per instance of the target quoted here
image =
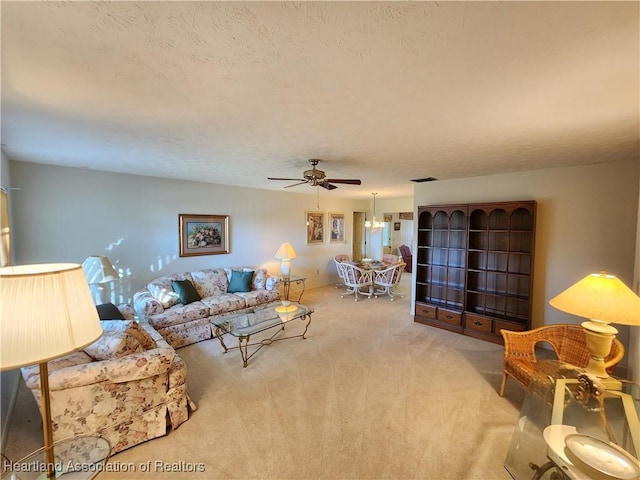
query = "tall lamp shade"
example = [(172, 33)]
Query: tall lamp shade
[(603, 299), (286, 252), (99, 269), (47, 312)]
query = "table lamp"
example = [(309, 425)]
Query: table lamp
[(47, 312), (603, 299), (98, 269), (286, 252)]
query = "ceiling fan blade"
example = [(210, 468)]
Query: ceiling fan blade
[(289, 179), (346, 181), (327, 185), (295, 184)]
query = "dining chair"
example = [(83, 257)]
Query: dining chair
[(385, 281), (390, 258), (355, 279), (337, 260)]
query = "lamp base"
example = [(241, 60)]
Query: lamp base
[(285, 267), (599, 336)]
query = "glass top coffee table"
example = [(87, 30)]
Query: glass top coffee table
[(244, 325)]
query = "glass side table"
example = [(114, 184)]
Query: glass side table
[(78, 458), (286, 285), (581, 428)]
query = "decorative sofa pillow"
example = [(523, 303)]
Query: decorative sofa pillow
[(259, 280), (113, 344), (133, 328), (210, 282), (108, 311), (240, 282), (162, 290), (186, 291)]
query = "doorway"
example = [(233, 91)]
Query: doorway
[(359, 238)]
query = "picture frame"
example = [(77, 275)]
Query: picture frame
[(336, 227), (396, 226), (315, 227), (203, 234)]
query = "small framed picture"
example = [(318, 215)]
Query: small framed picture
[(315, 227), (203, 234), (396, 226), (336, 227)]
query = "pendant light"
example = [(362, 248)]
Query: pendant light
[(374, 225)]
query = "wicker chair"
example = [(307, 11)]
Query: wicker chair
[(568, 343)]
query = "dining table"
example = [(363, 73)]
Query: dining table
[(372, 265)]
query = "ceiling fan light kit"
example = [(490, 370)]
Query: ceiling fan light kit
[(317, 178)]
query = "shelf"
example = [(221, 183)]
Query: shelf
[(478, 258)]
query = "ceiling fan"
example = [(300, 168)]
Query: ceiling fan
[(315, 177)]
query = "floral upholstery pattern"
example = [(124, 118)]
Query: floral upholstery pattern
[(127, 399), (113, 344), (210, 282), (182, 325)]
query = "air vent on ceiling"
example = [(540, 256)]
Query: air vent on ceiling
[(425, 179)]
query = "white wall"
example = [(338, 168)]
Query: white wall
[(384, 205), (587, 219), (8, 379), (66, 214)]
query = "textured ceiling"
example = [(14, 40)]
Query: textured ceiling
[(234, 92)]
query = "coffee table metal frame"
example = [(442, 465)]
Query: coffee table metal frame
[(244, 325)]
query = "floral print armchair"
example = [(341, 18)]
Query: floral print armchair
[(128, 387)]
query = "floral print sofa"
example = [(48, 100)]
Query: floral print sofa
[(128, 386), (183, 321)]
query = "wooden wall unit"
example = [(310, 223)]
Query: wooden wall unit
[(475, 267)]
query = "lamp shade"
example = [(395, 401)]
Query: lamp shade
[(600, 297), (47, 312), (99, 269), (286, 250)]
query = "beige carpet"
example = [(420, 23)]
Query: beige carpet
[(370, 394)]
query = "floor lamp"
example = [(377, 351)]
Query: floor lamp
[(47, 312), (99, 270)]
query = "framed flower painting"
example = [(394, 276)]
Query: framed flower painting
[(203, 234)]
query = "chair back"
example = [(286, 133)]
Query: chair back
[(390, 258), (355, 276), (389, 277), (339, 259), (407, 258)]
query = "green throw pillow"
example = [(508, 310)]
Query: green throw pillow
[(240, 282), (186, 291)]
